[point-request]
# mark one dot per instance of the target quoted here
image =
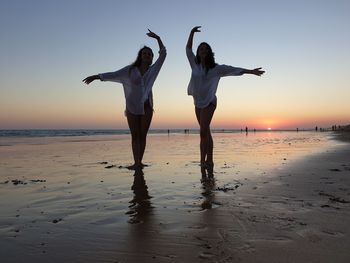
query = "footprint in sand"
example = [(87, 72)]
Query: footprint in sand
[(333, 233), (206, 255)]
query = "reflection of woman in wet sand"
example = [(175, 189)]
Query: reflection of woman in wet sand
[(137, 79), (208, 187), (203, 85), (140, 205)]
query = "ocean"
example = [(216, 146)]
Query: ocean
[(92, 132)]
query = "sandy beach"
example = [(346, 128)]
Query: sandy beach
[(276, 197)]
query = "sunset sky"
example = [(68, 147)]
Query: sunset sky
[(48, 47)]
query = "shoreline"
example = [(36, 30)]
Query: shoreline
[(33, 133)]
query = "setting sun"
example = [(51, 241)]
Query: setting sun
[(269, 129)]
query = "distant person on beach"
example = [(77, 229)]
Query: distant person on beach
[(137, 79), (203, 85)]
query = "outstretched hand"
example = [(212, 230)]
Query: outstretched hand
[(90, 79), (152, 34), (258, 71)]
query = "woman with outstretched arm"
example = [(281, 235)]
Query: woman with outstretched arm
[(137, 80), (203, 85)]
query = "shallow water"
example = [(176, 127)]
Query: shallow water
[(57, 194)]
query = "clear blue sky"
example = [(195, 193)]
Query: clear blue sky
[(48, 47)]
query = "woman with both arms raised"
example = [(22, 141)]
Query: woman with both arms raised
[(137, 79), (203, 85)]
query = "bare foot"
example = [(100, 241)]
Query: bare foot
[(209, 163), (134, 166), (203, 172), (210, 169), (203, 165)]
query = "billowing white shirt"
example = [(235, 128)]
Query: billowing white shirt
[(203, 85), (137, 88)]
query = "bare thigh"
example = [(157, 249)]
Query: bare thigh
[(139, 124), (205, 115), (145, 120), (134, 124)]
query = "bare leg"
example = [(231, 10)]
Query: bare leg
[(204, 117), (210, 145), (134, 126), (145, 123), (201, 145), (209, 158)]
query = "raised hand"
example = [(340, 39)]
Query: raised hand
[(196, 29), (190, 38), (152, 34)]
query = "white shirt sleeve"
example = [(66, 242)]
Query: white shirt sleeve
[(225, 70), (191, 57), (159, 62), (116, 76), (152, 73)]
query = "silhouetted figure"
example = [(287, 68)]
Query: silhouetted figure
[(203, 85), (137, 79), (316, 128)]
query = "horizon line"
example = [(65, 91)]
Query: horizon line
[(183, 128)]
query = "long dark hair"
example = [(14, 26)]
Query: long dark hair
[(138, 60), (209, 60)]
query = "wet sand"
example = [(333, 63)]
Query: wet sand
[(277, 197)]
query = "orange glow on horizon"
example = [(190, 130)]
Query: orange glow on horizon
[(277, 122), (183, 118)]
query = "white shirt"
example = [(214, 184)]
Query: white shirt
[(137, 88), (203, 85)]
